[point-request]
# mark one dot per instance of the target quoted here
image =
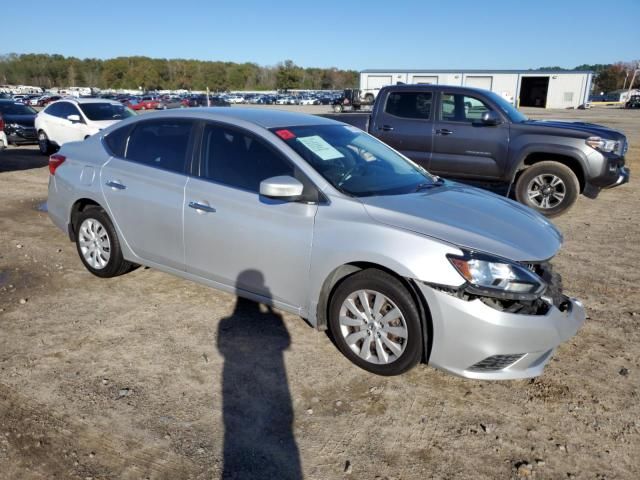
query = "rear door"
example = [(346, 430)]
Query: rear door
[(405, 122), (463, 146), (144, 188)]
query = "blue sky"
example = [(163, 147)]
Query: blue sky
[(359, 35)]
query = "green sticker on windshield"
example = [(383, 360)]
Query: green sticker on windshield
[(320, 147)]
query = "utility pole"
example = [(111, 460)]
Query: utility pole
[(633, 79)]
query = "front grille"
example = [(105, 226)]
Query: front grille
[(553, 280), (496, 362)]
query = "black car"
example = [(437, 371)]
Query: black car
[(18, 120), (201, 101), (633, 102)]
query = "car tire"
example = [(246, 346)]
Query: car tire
[(98, 244), (44, 145), (338, 108), (549, 187), (385, 337)]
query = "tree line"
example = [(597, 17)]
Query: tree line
[(49, 71), (609, 76)]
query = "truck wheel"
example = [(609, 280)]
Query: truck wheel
[(368, 98), (338, 108), (549, 187)]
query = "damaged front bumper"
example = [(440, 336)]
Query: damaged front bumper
[(473, 339)]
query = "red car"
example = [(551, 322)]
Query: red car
[(146, 103)]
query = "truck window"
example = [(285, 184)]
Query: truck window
[(461, 108), (409, 105)]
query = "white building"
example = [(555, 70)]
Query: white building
[(526, 88)]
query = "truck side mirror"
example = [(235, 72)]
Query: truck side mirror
[(490, 118)]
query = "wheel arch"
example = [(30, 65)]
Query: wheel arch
[(78, 206), (341, 272), (566, 159)]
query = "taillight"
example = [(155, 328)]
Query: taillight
[(1, 123), (55, 161)]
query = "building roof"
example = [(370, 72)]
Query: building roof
[(462, 70)]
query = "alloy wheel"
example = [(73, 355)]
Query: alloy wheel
[(546, 191), (373, 326), (94, 243)]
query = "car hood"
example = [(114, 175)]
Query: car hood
[(471, 218), (25, 120), (588, 129)]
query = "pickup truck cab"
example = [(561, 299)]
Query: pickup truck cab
[(478, 137)]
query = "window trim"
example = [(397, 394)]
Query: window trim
[(311, 194), (424, 120), (188, 154), (460, 122)]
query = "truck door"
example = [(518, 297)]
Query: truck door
[(405, 122), (463, 146)]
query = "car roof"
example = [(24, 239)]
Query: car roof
[(266, 118), (431, 86), (82, 101)]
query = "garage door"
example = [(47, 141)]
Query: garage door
[(425, 79), (376, 82), (478, 82)]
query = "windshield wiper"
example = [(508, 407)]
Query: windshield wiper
[(437, 182)]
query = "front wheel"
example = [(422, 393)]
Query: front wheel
[(549, 187), (375, 323), (98, 245), (44, 145), (338, 108)]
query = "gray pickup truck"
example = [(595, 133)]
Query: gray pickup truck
[(477, 137)]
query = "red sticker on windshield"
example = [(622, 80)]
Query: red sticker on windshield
[(285, 134)]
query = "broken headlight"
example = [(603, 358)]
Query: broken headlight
[(496, 277)]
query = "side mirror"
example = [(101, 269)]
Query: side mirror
[(73, 118), (491, 118), (282, 188)]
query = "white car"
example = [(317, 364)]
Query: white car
[(309, 101), (74, 119)]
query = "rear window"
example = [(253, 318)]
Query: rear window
[(410, 105), (116, 141)]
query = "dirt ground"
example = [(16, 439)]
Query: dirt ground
[(139, 377)]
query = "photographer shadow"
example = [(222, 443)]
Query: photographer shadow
[(257, 407)]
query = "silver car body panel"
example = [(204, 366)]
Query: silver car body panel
[(297, 246)]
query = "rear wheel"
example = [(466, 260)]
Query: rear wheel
[(98, 245), (375, 323), (549, 187)]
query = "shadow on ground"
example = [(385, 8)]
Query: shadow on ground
[(21, 158), (257, 407)]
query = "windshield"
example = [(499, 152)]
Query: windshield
[(16, 109), (105, 111), (509, 110), (354, 162)]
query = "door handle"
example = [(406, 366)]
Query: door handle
[(115, 185), (386, 128), (201, 207), (444, 131)]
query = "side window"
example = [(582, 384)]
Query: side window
[(409, 105), (65, 109), (160, 143), (237, 159), (54, 109), (116, 141), (461, 108)]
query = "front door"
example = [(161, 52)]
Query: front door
[(405, 122), (463, 146), (145, 190), (234, 236)]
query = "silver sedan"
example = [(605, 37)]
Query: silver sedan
[(320, 219)]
